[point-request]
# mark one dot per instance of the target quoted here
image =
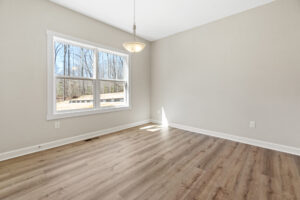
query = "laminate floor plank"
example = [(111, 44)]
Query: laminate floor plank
[(151, 162)]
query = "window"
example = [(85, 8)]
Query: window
[(85, 78)]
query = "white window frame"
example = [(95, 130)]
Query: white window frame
[(51, 83)]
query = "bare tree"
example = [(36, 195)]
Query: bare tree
[(58, 48)]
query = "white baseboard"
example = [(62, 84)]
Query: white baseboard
[(57, 143), (254, 142)]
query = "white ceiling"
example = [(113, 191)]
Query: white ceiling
[(159, 18)]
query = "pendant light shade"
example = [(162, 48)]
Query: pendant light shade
[(134, 46)]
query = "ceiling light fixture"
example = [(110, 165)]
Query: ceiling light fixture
[(134, 46)]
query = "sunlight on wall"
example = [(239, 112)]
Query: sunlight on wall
[(164, 120)]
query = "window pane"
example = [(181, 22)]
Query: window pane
[(111, 66), (73, 60), (73, 94), (112, 94)]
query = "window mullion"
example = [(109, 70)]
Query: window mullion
[(96, 84), (74, 78)]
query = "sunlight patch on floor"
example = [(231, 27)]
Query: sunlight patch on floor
[(147, 127), (164, 123), (153, 128)]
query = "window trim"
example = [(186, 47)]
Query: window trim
[(51, 87)]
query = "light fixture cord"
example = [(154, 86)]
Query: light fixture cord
[(134, 25)]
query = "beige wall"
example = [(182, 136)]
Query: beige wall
[(217, 77), (23, 64), (222, 75)]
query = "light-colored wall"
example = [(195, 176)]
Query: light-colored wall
[(23, 73), (222, 75), (217, 77)]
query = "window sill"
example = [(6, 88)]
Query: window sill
[(79, 113)]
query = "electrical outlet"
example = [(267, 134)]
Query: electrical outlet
[(252, 124), (57, 124)]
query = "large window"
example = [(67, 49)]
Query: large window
[(85, 78)]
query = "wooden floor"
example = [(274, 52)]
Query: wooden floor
[(150, 162)]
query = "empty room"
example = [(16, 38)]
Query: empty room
[(150, 99)]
